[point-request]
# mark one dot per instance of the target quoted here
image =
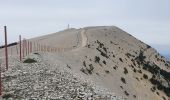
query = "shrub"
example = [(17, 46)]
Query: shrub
[(125, 71), (83, 70), (107, 71), (148, 46), (121, 59), (145, 76), (102, 53), (104, 62), (29, 60), (126, 93), (141, 56), (68, 66), (123, 80), (134, 96), (84, 63), (90, 69), (36, 53), (97, 59), (153, 89), (105, 49), (139, 71)]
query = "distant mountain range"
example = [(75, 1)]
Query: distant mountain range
[(168, 56)]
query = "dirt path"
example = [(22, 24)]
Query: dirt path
[(83, 38)]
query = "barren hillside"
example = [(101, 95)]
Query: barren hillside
[(110, 62)]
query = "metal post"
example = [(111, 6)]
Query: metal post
[(0, 82), (28, 47), (20, 56), (37, 47), (6, 48), (23, 48)]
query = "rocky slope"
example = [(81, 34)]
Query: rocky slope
[(106, 57), (44, 81)]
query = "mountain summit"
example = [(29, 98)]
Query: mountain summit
[(106, 58)]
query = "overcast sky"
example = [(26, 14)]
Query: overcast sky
[(147, 20)]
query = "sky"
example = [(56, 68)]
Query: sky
[(147, 20)]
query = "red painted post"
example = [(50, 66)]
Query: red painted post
[(0, 83), (6, 48), (11, 51), (17, 49), (20, 56), (28, 47), (45, 48), (41, 48), (23, 46), (34, 47), (37, 47), (48, 49)]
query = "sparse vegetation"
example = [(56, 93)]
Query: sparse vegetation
[(121, 87), (145, 76), (134, 96), (127, 94), (134, 70), (7, 96), (129, 55), (97, 59), (140, 71), (84, 63), (68, 66), (141, 57), (30, 60), (90, 69), (83, 70), (107, 71), (105, 49), (153, 89), (148, 46), (121, 59), (104, 62), (97, 74), (36, 53), (123, 80), (163, 98), (125, 71), (102, 52)]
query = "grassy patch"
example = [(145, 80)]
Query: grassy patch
[(29, 60), (36, 53), (7, 96)]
